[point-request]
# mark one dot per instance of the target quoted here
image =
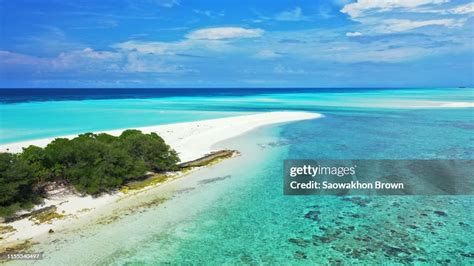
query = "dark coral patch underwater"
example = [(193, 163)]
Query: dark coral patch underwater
[(403, 230)]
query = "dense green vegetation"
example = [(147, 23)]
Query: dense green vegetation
[(92, 163)]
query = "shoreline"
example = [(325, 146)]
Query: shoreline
[(192, 140)]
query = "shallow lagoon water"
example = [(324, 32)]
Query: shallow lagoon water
[(259, 225), (235, 212)]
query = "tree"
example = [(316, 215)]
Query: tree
[(59, 155), (34, 156), (16, 180), (92, 163), (150, 148), (99, 166)]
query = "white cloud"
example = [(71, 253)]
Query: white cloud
[(329, 46), (209, 13), (168, 3), (464, 9), (267, 54), (279, 69), (81, 60), (196, 43), (291, 15), (144, 47), (172, 48), (87, 59), (399, 25), (390, 16), (49, 40), (364, 7), (10, 58), (223, 33), (140, 63), (387, 55), (353, 34), (457, 10), (90, 53)]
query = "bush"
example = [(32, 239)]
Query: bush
[(150, 148), (92, 163), (16, 183)]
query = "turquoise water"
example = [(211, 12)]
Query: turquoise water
[(33, 120), (235, 212), (255, 223), (26, 121)]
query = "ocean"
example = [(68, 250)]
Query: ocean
[(235, 212), (27, 114)]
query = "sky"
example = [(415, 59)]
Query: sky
[(194, 44)]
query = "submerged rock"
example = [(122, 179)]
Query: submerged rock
[(215, 179), (441, 213), (468, 255), (326, 238), (247, 259), (362, 202), (394, 251), (313, 215), (299, 242), (463, 224), (300, 255), (363, 238)]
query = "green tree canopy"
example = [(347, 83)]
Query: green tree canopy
[(92, 163)]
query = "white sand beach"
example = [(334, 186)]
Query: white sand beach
[(191, 140)]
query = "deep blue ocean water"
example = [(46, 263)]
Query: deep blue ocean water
[(30, 95), (242, 216)]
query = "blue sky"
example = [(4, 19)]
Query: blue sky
[(179, 43)]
